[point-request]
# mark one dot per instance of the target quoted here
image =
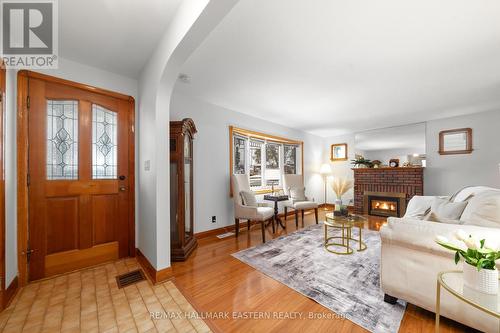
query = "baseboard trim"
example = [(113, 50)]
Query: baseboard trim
[(10, 292), (154, 275), (243, 224)]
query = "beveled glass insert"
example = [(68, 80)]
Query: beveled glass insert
[(104, 143), (62, 140)]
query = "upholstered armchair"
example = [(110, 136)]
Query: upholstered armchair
[(291, 183), (257, 212)]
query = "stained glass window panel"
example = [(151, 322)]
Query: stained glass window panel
[(62, 140), (104, 143)]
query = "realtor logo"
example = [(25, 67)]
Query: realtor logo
[(29, 34)]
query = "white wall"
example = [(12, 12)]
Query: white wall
[(68, 70), (211, 154), (342, 169), (193, 21), (446, 174)]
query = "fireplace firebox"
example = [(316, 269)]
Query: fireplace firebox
[(384, 204)]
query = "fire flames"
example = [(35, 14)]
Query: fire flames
[(383, 205)]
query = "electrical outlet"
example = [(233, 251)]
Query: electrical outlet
[(147, 165), (214, 219)]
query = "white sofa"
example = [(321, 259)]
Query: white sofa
[(411, 260)]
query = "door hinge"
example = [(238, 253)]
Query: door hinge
[(28, 253), (28, 179), (28, 102)]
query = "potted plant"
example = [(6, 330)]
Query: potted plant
[(360, 161), (340, 186), (480, 272)]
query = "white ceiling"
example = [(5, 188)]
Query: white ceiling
[(330, 67), (116, 35)]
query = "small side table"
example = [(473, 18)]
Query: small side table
[(345, 224), (276, 199), (453, 282)]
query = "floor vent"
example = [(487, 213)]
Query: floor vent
[(130, 278)]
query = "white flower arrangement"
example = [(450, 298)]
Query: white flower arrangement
[(481, 254)]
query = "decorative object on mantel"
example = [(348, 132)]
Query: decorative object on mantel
[(340, 186), (361, 162), (455, 141), (338, 152), (480, 272), (394, 162), (376, 163)]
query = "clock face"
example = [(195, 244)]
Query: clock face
[(393, 164)]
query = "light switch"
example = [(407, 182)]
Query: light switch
[(147, 165)]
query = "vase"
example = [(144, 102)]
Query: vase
[(338, 204), (484, 280)]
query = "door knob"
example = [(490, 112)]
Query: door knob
[(122, 177)]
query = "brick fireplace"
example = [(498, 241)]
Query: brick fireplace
[(386, 191)]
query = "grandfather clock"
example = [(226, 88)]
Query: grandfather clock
[(182, 237)]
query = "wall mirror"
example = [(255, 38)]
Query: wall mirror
[(456, 141), (404, 143)]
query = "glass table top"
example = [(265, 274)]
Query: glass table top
[(351, 219), (454, 283)]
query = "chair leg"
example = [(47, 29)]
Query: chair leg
[(248, 224), (237, 224), (296, 219), (285, 211), (263, 227), (302, 212), (316, 214)]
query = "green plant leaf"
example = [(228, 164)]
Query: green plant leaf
[(457, 257), (482, 243)]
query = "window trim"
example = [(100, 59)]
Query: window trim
[(261, 136)]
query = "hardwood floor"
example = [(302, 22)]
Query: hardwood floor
[(213, 281)]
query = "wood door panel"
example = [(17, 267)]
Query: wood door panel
[(62, 224), (72, 215), (104, 218), (63, 188)]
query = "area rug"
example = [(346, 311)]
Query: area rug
[(346, 284)]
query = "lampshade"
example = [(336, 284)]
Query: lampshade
[(325, 169)]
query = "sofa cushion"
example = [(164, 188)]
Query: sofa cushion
[(469, 191), (445, 209), (419, 206), (483, 210), (436, 218), (420, 235)]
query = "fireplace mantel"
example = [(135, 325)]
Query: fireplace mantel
[(407, 180)]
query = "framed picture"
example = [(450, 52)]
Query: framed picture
[(455, 141), (338, 152)]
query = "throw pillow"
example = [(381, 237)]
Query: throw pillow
[(483, 210), (248, 198), (297, 193), (419, 207), (446, 209), (436, 218)]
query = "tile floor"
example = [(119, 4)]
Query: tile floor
[(90, 301)]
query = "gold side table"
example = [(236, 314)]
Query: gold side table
[(453, 282), (345, 224)]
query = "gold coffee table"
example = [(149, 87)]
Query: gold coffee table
[(345, 224)]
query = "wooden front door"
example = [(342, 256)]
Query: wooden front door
[(78, 178)]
